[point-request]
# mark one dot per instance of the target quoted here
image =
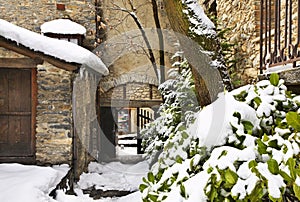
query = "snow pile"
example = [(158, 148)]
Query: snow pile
[(214, 123), (243, 147), (60, 49), (20, 183), (62, 26), (114, 176)]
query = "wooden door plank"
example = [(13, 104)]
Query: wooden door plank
[(3, 130), (25, 90), (3, 90), (14, 131)]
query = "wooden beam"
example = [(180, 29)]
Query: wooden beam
[(19, 62), (18, 48), (129, 103)]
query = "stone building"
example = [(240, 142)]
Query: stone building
[(37, 98), (243, 21), (131, 85)]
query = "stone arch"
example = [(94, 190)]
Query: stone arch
[(127, 78)]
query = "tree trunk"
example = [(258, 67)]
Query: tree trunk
[(204, 86)]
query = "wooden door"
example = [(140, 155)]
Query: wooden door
[(16, 135)]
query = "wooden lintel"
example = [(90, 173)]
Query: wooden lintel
[(129, 103), (20, 62), (18, 48)]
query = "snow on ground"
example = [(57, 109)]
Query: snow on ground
[(23, 183), (62, 197), (20, 183), (109, 176), (114, 176)]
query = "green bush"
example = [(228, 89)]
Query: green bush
[(253, 158)]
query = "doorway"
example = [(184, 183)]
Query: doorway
[(16, 115), (129, 124)]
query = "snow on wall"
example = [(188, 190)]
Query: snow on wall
[(60, 49), (63, 26)]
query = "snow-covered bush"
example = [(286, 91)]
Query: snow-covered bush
[(169, 129), (243, 147)]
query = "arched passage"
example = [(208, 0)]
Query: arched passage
[(125, 104)]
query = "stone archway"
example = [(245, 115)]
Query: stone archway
[(125, 95)]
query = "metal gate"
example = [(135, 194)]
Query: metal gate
[(144, 117), (279, 33)]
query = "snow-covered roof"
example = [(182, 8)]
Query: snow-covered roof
[(62, 26), (60, 49)]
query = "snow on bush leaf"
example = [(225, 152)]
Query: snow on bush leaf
[(248, 155)]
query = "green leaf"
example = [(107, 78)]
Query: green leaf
[(142, 187), (273, 166), (209, 170), (145, 180), (274, 79), (153, 197), (293, 119), (182, 191), (291, 164), (296, 189), (285, 176), (231, 177), (224, 153), (256, 194), (185, 135), (151, 177), (257, 100), (275, 199), (252, 164), (248, 126), (265, 138), (178, 159), (262, 148), (273, 144)]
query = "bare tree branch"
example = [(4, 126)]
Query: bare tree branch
[(161, 41)]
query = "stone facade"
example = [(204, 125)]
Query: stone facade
[(133, 91), (119, 24), (242, 20), (54, 124)]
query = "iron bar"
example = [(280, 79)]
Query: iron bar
[(266, 32), (290, 55), (279, 41), (270, 29), (261, 37), (278, 27), (276, 30)]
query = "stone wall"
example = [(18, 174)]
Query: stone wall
[(242, 20), (31, 14), (54, 128), (118, 23), (133, 91)]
